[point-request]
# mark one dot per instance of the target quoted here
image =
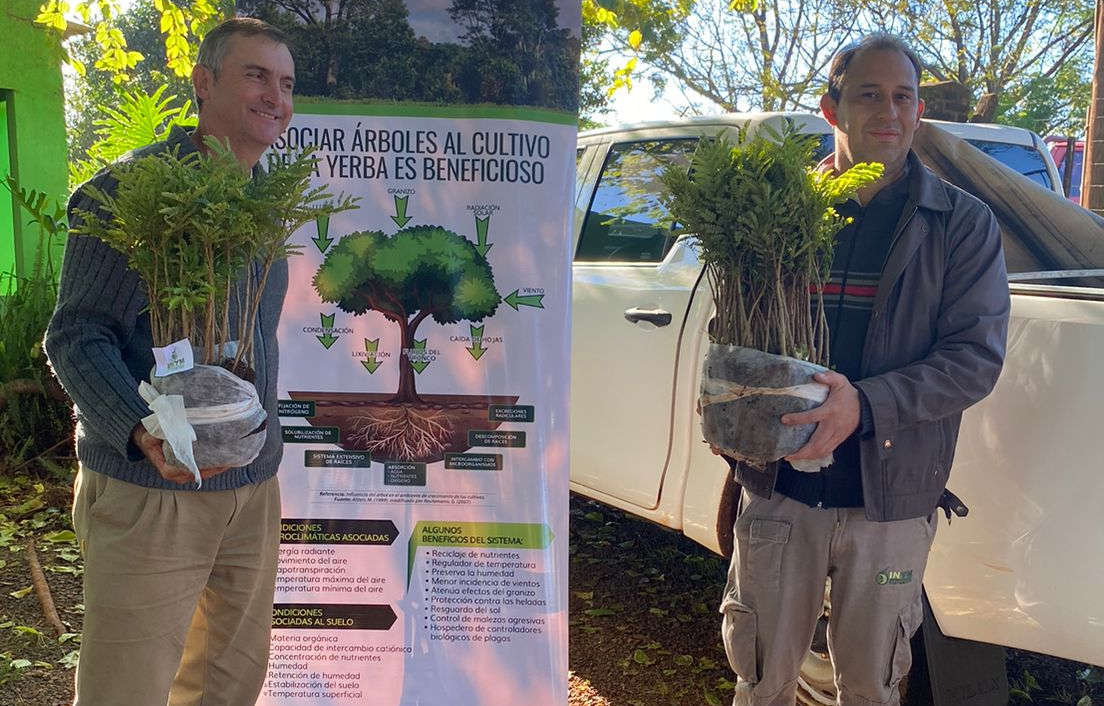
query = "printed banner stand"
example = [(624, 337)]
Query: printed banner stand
[(424, 361)]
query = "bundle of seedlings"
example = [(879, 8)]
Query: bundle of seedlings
[(203, 233), (765, 227)]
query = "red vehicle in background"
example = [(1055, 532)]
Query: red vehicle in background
[(1059, 148)]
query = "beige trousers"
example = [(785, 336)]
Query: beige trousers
[(178, 590), (784, 551)]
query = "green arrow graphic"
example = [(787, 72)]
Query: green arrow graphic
[(371, 365), (533, 300), (400, 211), (328, 338), (477, 350), (322, 242), (422, 364), (481, 235)]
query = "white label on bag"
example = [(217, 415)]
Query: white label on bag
[(173, 358)]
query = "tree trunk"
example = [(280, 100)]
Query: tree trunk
[(331, 72), (986, 109), (1092, 174), (407, 391)]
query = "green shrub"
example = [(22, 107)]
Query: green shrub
[(35, 415)]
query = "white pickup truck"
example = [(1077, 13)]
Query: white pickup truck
[(1023, 570)]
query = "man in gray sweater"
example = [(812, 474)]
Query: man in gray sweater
[(178, 581)]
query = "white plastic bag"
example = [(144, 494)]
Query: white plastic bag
[(207, 416)]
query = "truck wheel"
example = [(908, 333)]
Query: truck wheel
[(816, 685)]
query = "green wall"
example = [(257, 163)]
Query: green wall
[(31, 94), (7, 222)]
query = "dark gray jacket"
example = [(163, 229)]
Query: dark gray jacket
[(99, 345), (935, 346)]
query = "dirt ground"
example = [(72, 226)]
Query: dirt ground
[(643, 614)]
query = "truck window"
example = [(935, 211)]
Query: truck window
[(626, 221), (1075, 182), (1024, 159), (825, 147)]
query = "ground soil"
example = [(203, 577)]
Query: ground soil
[(645, 631), (24, 632), (643, 614)]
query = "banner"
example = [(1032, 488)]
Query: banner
[(425, 352)]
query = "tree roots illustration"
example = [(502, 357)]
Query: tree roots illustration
[(403, 434)]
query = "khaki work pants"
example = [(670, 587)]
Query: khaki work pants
[(178, 589), (784, 550)]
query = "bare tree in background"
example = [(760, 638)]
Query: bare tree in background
[(771, 57), (989, 46)]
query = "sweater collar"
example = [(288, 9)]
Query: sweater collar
[(181, 139)]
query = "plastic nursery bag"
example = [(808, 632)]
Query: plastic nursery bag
[(207, 416), (744, 393)]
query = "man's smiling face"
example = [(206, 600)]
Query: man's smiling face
[(249, 100), (878, 110)]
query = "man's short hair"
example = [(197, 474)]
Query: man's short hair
[(213, 48), (837, 70)]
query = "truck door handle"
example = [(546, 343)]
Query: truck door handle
[(659, 317)]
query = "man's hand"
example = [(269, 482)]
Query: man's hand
[(836, 419), (150, 446)]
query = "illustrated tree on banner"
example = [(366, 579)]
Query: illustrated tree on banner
[(418, 273)]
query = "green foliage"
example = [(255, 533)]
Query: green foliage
[(630, 28), (766, 227), (417, 273), (183, 24), (139, 119), (35, 418), (87, 96), (424, 270), (516, 54), (595, 77), (511, 52), (1050, 104), (189, 225)]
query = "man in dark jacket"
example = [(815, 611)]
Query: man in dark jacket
[(178, 581), (918, 313)]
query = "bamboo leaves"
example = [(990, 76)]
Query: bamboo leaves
[(766, 227)]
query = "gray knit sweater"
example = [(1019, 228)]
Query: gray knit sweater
[(99, 345)]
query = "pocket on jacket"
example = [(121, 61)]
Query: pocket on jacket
[(765, 544), (914, 465), (739, 632)]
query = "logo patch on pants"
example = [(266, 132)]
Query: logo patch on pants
[(893, 576)]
